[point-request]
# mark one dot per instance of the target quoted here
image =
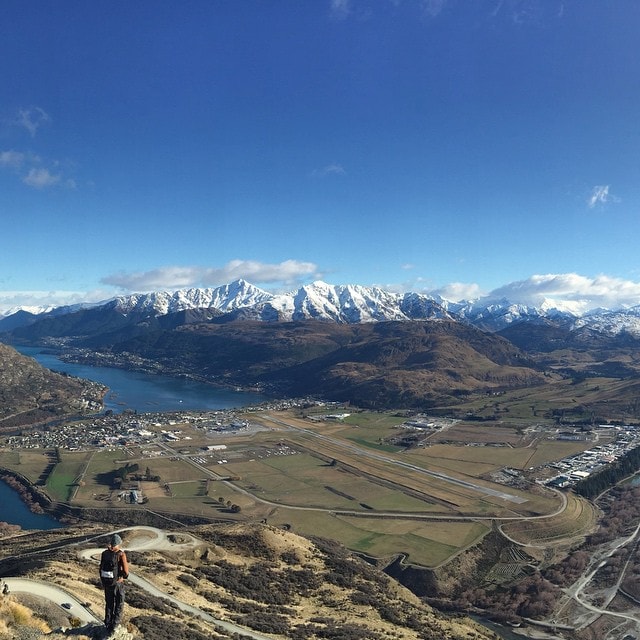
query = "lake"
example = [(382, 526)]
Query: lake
[(15, 511), (145, 392)]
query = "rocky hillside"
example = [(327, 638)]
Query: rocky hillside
[(30, 393), (268, 582)]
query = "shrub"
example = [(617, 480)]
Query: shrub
[(141, 600), (189, 580), (266, 622), (161, 628)]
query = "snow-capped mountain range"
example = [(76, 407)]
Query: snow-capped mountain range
[(356, 304), (318, 301)]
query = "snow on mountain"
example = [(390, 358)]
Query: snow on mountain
[(225, 298), (417, 306), (349, 303), (567, 307), (496, 314), (356, 304), (612, 323), (353, 304), (318, 301), (35, 310)]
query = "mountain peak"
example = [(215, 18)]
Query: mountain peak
[(349, 304)]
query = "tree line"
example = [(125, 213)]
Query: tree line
[(609, 476)]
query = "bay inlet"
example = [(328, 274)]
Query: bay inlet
[(144, 392)]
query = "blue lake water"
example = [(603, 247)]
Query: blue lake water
[(15, 511), (144, 392)]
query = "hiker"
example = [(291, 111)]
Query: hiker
[(114, 570)]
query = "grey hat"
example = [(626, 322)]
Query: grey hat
[(115, 540)]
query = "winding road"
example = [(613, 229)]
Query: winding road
[(54, 594)]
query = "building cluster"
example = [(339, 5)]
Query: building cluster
[(130, 428), (579, 466), (123, 429)]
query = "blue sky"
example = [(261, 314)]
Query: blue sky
[(454, 146)]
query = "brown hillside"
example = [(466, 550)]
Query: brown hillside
[(258, 577), (376, 364), (30, 393)]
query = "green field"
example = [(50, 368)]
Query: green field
[(66, 475), (304, 480), (31, 463)]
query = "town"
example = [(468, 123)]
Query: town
[(120, 430)]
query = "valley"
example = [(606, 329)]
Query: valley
[(417, 495), (467, 491), (378, 482)]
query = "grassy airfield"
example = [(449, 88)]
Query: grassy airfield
[(345, 479)]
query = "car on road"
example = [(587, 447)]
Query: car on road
[(66, 605)]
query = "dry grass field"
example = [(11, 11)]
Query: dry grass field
[(578, 519), (30, 463), (307, 481)]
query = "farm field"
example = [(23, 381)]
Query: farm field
[(66, 475), (305, 480), (28, 462), (424, 543), (472, 495), (340, 478)]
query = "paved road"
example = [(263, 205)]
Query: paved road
[(54, 594), (576, 591)]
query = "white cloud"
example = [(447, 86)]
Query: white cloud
[(40, 178), (566, 290), (30, 168), (459, 291), (529, 12), (32, 119), (537, 13), (600, 194), (37, 301), (589, 293), (12, 159), (289, 272), (340, 9), (432, 8), (329, 170)]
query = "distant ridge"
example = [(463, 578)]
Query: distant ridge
[(364, 345), (345, 304)]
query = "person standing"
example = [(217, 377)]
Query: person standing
[(114, 570)]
